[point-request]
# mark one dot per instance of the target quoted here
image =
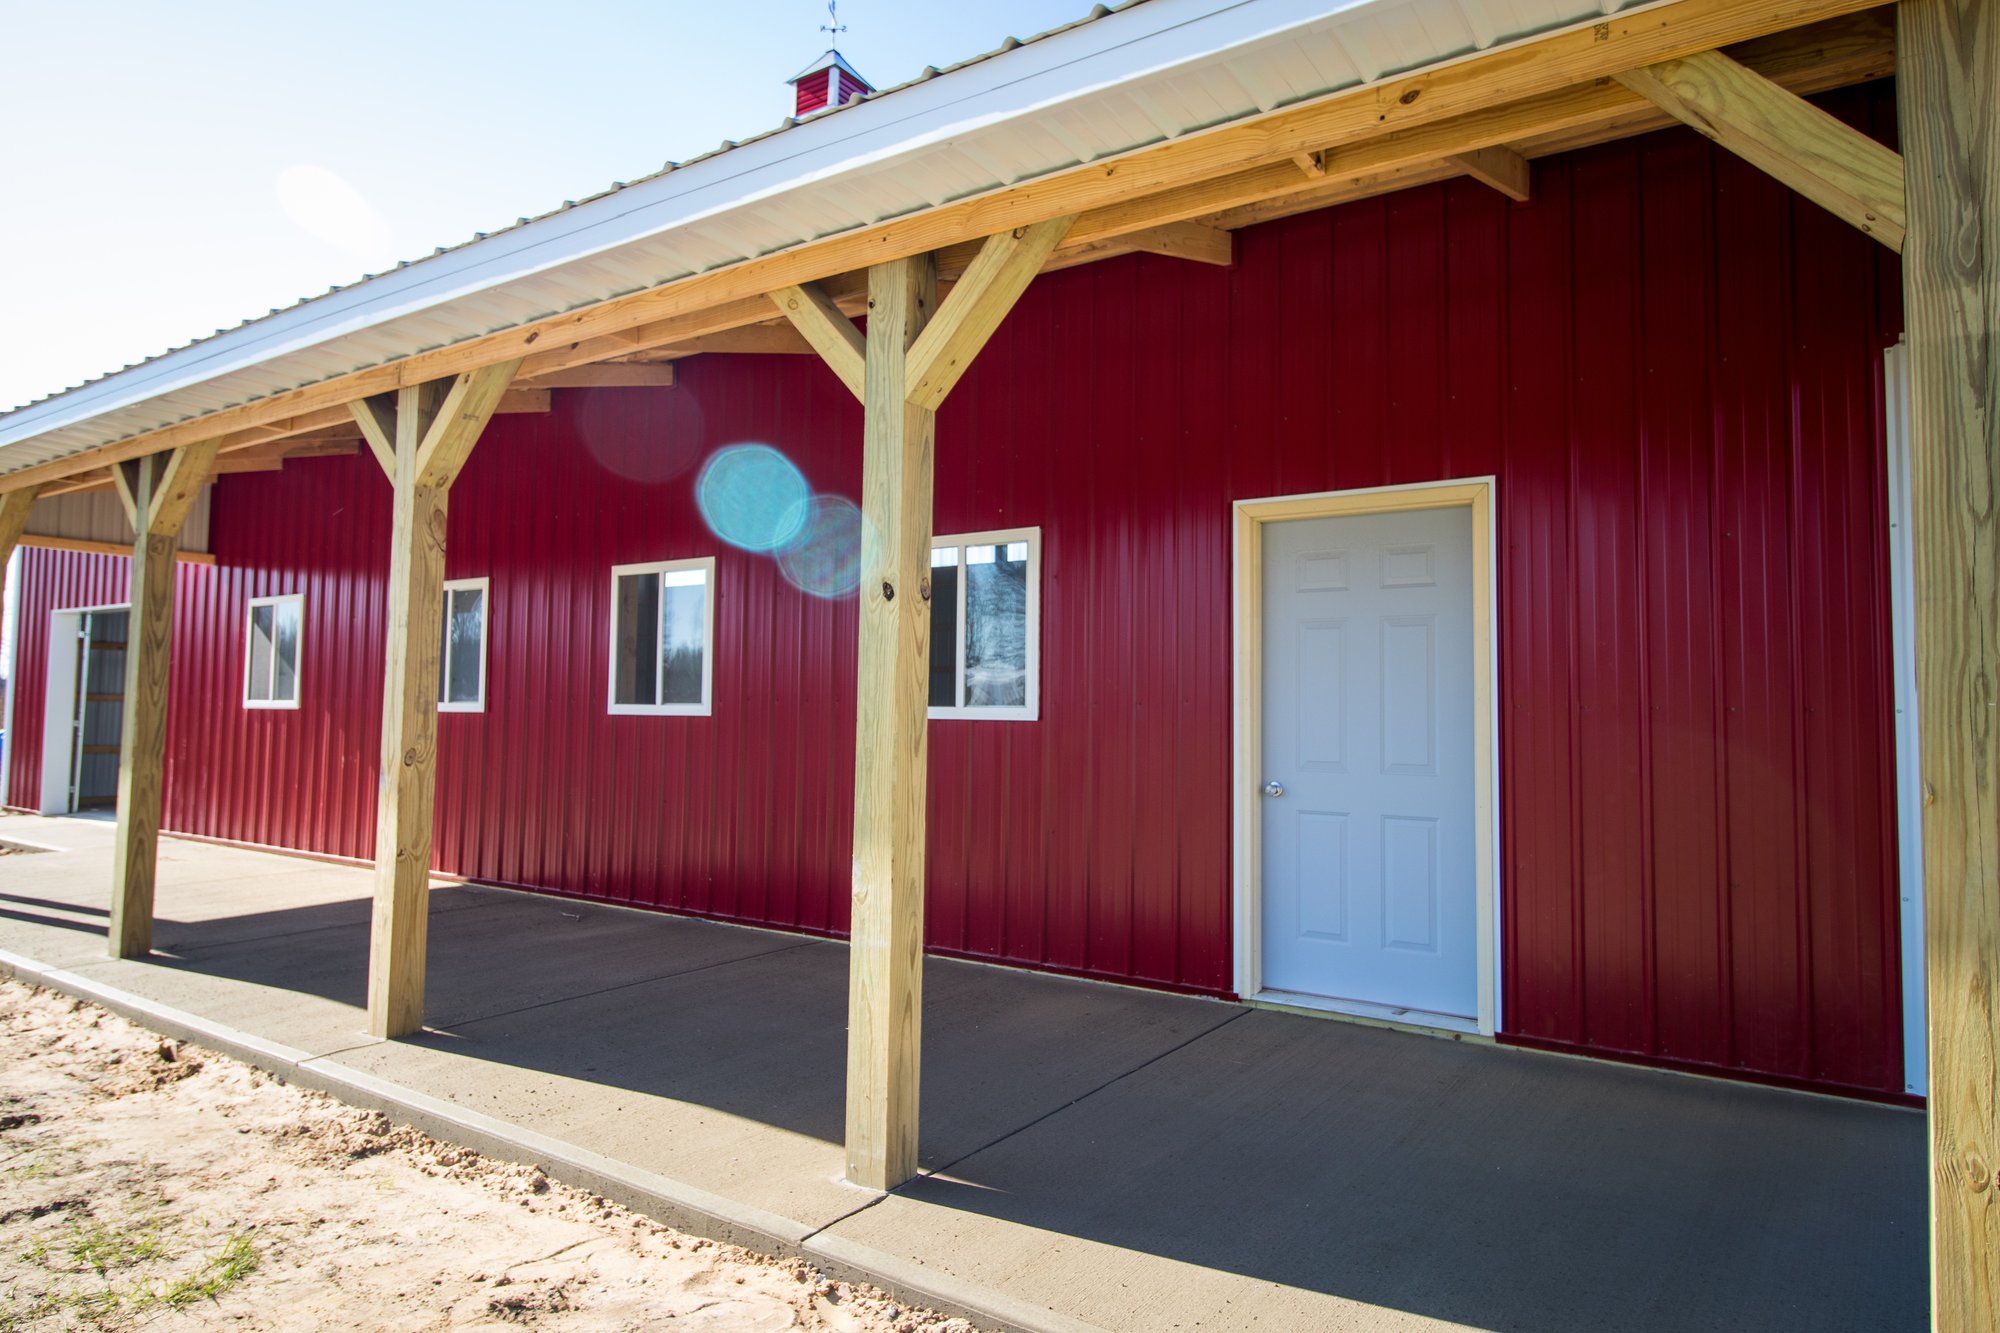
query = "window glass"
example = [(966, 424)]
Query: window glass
[(983, 625), (464, 644), (944, 627), (258, 685), (659, 638), (683, 631), (271, 657), (996, 625), (638, 617), (285, 674)]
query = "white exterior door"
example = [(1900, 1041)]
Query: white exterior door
[(1369, 867)]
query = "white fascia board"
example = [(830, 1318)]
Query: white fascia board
[(1069, 67)]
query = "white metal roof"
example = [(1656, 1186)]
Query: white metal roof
[(1123, 79)]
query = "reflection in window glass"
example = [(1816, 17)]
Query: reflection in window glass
[(462, 661), (285, 667), (944, 627), (683, 630), (638, 617), (259, 682), (996, 626), (983, 630), (659, 638), (271, 658)]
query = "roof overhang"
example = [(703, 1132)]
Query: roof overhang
[(1161, 95)]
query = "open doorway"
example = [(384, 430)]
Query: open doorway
[(84, 720)]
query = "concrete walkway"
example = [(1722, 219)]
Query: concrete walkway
[(1094, 1156)]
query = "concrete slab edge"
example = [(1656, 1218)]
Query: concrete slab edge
[(676, 1203)]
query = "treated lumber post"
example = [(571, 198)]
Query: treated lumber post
[(1948, 102), (421, 435), (885, 976), (157, 490)]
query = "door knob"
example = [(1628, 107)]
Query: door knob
[(1274, 788)]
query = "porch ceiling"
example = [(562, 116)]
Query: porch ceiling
[(1159, 115)]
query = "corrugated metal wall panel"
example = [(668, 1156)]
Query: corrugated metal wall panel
[(1671, 366)]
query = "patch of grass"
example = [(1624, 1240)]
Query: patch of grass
[(105, 1248), (96, 1251), (237, 1259)]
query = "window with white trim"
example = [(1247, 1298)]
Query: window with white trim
[(271, 651), (462, 647), (986, 625), (662, 629)]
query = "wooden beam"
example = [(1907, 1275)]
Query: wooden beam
[(751, 339), (1500, 167), (1577, 55), (609, 375), (435, 428), (529, 400), (1824, 159), (161, 490), (1186, 240), (1312, 164), (885, 980), (1007, 263), (93, 547), (830, 333), (377, 418), (1945, 90), (15, 506)]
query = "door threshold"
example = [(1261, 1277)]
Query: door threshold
[(1385, 1015)]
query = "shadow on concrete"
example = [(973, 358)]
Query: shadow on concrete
[(53, 905), (1492, 1188), (61, 923)]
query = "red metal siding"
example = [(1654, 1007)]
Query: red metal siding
[(1671, 366)]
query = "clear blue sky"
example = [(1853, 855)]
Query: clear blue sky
[(170, 168)]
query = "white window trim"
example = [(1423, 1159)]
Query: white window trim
[(706, 564), (298, 667), (485, 587), (1032, 710)]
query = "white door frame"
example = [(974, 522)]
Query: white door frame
[(1909, 784), (1475, 494), (59, 704)]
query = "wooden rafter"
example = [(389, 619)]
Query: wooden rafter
[(1827, 161)]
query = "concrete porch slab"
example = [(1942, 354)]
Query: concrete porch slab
[(1095, 1156)]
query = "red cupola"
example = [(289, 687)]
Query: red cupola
[(828, 82)]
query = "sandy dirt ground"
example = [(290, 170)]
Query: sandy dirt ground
[(149, 1185)]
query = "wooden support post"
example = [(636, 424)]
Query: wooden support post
[(885, 975), (1948, 95), (902, 370), (421, 435), (1834, 165), (158, 490)]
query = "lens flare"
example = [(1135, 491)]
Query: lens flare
[(824, 560), (753, 497), (637, 434)]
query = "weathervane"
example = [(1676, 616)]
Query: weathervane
[(833, 25)]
